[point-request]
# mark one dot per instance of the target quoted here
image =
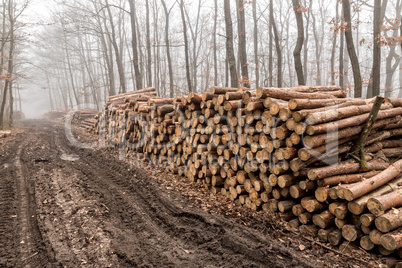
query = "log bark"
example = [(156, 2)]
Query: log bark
[(359, 205), (367, 219), (378, 205), (335, 237), (364, 187), (375, 236), (346, 179), (389, 221), (347, 168), (351, 121), (305, 218), (351, 232), (318, 140), (324, 219), (366, 243), (305, 104), (337, 114), (393, 240), (286, 205), (297, 210), (286, 94), (324, 233)]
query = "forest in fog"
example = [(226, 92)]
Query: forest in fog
[(84, 51)]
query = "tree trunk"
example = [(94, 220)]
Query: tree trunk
[(112, 39), (230, 57), (148, 41), (305, 44), (255, 34), (169, 59), (270, 58), (241, 25), (10, 65), (190, 89), (299, 43), (214, 41), (138, 76), (351, 49), (335, 35), (341, 57), (400, 69), (277, 46), (317, 52), (391, 68)]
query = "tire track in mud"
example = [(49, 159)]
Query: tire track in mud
[(150, 220), (99, 211), (20, 240), (32, 250), (8, 213), (71, 221)]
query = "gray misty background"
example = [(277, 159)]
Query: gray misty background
[(80, 52)]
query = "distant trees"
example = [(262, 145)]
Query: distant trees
[(10, 13), (178, 46)]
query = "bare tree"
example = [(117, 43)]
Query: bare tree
[(299, 43), (149, 51), (374, 88), (393, 59), (334, 40), (229, 45), (241, 26), (305, 43), (167, 14), (214, 41), (257, 67), (113, 39), (270, 58), (318, 43), (138, 76), (277, 45), (351, 49), (188, 76), (400, 69)]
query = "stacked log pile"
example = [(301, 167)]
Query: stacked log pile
[(5, 133), (290, 151), (86, 119), (55, 114)]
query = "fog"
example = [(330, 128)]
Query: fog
[(80, 52)]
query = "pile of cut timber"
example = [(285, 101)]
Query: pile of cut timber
[(286, 150), (5, 133), (86, 118), (55, 114)]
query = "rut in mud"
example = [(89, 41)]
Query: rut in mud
[(62, 205)]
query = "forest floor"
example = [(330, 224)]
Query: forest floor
[(62, 206)]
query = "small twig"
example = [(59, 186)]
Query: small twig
[(33, 255)]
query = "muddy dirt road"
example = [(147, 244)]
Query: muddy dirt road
[(61, 206)]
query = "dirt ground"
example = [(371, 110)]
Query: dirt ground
[(62, 206)]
